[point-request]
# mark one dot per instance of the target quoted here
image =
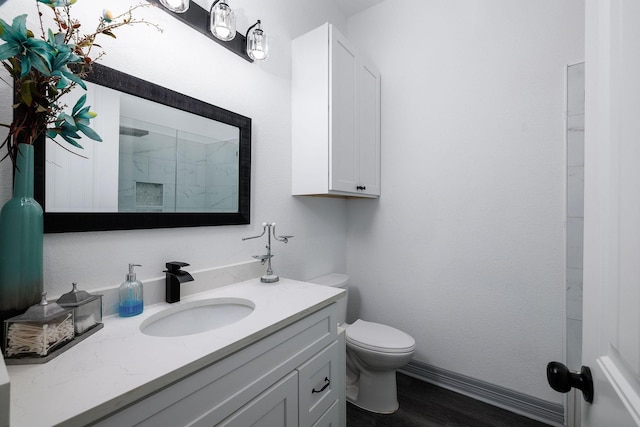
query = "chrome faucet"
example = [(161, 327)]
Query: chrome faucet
[(270, 229), (174, 277)]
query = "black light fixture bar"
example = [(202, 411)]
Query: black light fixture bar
[(198, 18)]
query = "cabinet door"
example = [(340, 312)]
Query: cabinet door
[(318, 383), (368, 131), (343, 117), (275, 407)]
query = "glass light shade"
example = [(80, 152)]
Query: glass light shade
[(177, 6), (257, 44), (223, 21)]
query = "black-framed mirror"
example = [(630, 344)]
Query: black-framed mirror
[(149, 202)]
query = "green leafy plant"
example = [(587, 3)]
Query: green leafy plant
[(45, 68)]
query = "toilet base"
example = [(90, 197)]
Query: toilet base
[(373, 391)]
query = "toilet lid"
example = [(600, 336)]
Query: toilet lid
[(378, 337)]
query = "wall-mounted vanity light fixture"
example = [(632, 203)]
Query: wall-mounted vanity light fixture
[(219, 24)]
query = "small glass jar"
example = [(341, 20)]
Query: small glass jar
[(87, 307), (40, 331)]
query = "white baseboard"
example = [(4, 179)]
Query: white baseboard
[(519, 403)]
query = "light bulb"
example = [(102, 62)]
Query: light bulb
[(222, 33), (177, 6)]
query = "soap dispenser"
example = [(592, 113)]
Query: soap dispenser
[(131, 302)]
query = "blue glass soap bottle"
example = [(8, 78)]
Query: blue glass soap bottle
[(131, 302)]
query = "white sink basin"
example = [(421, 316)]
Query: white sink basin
[(196, 317)]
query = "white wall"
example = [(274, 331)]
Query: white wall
[(465, 248), (188, 62)]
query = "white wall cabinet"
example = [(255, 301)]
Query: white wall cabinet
[(290, 378), (335, 117)]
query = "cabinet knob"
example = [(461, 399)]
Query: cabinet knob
[(361, 188), (326, 384)]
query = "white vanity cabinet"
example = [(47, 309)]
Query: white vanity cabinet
[(335, 117), (292, 377)]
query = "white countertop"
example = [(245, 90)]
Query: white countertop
[(119, 364)]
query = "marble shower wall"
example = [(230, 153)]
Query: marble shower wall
[(147, 173), (183, 173), (222, 170)]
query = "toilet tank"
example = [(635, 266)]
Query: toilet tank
[(336, 280)]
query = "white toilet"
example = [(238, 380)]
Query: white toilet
[(374, 353)]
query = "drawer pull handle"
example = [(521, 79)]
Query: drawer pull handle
[(326, 384)]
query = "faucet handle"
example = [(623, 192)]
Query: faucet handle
[(174, 266)]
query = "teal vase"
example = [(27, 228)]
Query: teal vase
[(21, 236)]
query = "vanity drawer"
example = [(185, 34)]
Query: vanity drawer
[(317, 384), (331, 418)]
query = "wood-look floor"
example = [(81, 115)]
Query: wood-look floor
[(426, 405)]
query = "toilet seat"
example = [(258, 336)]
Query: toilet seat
[(378, 337)]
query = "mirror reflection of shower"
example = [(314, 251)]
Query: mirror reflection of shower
[(153, 158), (162, 169)]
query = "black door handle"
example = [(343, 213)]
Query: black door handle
[(562, 379)]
